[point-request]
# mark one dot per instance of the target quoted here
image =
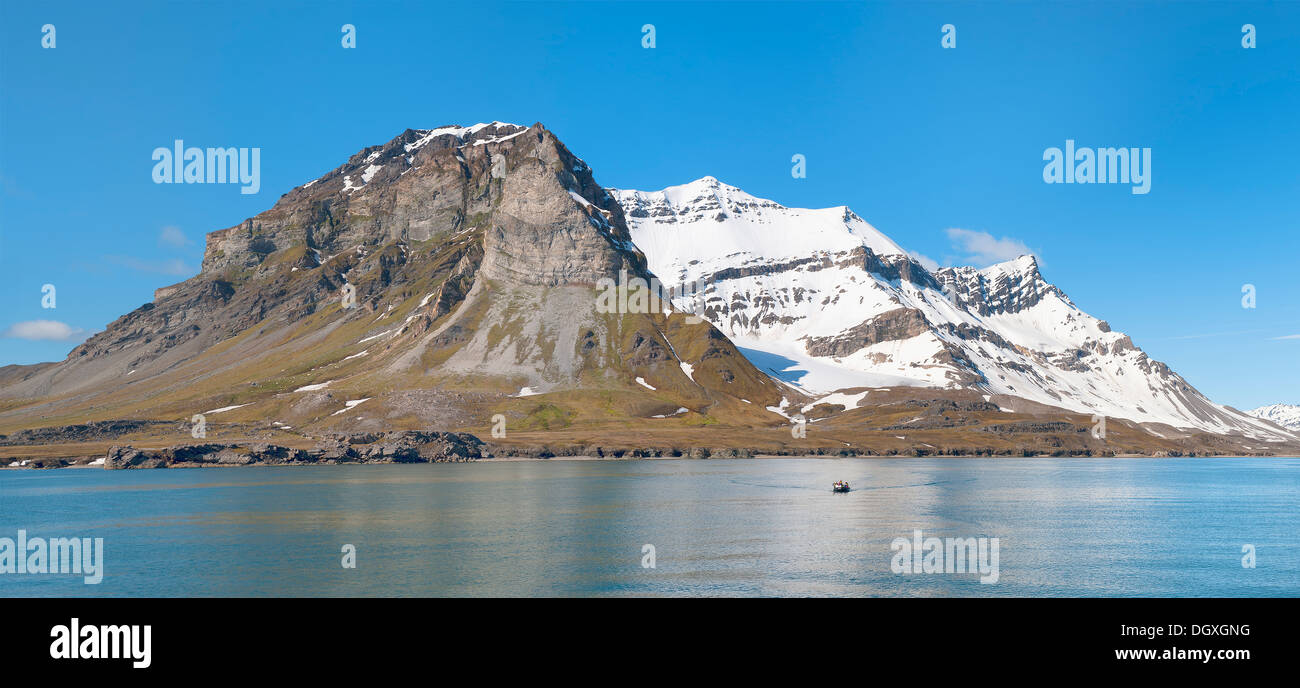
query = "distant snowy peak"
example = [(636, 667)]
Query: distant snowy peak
[(822, 300), (1286, 415), (712, 220)]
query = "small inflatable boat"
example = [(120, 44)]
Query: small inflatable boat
[(840, 486)]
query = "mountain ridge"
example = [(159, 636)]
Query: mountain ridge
[(1286, 415), (847, 306), (449, 277), (458, 258)]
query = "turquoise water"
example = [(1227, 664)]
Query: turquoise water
[(1081, 527)]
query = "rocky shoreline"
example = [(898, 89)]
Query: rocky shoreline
[(451, 447), (939, 431), (391, 447)]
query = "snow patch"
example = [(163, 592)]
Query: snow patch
[(849, 401), (313, 388), (349, 405), (780, 410), (376, 336)]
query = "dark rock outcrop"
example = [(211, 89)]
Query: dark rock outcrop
[(392, 447)]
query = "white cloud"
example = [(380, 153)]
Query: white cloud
[(44, 331), (172, 235), (926, 262), (982, 249), (1289, 336)]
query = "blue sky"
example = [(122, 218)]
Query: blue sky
[(917, 139)]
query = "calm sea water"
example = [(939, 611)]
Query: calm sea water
[(1113, 527)]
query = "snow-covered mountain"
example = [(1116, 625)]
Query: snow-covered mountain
[(824, 301), (1286, 415)]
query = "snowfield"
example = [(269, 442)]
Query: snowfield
[(822, 300), (1286, 415)]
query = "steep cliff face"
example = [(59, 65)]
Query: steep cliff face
[(825, 301), (453, 261)]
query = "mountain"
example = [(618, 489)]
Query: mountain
[(464, 283), (1286, 415), (823, 300), (436, 280)]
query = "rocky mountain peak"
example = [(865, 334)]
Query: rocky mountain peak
[(842, 306), (427, 179), (1006, 287), (458, 258)]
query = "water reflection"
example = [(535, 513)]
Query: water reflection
[(719, 527)]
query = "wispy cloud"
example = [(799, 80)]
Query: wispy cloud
[(926, 261), (983, 249), (979, 249), (1289, 336), (174, 266), (44, 331), (172, 235)]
